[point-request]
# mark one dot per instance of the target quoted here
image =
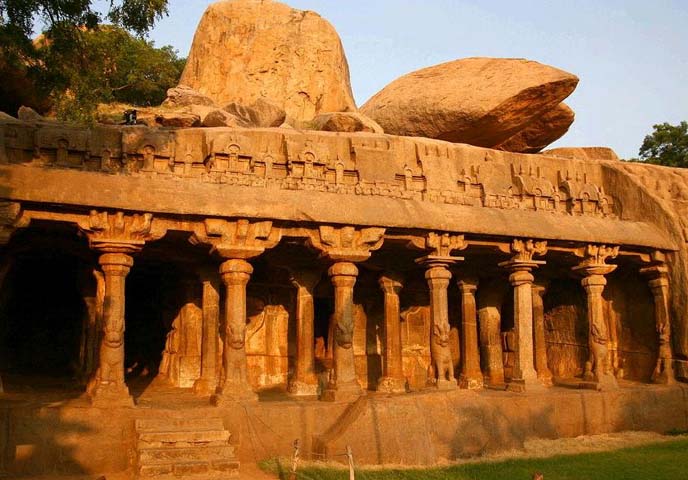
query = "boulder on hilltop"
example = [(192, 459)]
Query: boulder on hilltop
[(245, 50), (479, 101)]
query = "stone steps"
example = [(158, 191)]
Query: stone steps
[(194, 449)]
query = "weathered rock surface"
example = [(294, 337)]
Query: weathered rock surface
[(244, 50), (542, 131), (182, 96), (479, 101), (215, 117), (4, 117), (345, 122), (178, 119), (585, 153), (260, 113)]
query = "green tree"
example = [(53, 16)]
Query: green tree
[(112, 66), (666, 145), (29, 74)]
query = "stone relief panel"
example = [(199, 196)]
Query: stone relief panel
[(368, 165)]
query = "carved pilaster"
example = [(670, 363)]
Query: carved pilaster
[(304, 380), (598, 374), (471, 377), (210, 301), (539, 339), (658, 280), (520, 267), (393, 380)]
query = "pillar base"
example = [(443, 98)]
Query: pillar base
[(204, 386), (342, 392), (446, 384), (302, 389), (520, 385), (391, 385), (606, 383), (233, 393), (107, 395), (471, 382), (664, 372), (546, 380)]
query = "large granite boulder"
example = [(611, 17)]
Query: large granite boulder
[(542, 131), (244, 50), (479, 101)]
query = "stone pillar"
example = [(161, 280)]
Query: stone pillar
[(234, 386), (343, 384), (438, 276), (393, 380), (597, 371), (471, 377), (210, 300), (659, 284), (304, 381), (108, 388), (541, 367), (524, 375)]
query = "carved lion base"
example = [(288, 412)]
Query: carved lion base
[(391, 385), (604, 383)]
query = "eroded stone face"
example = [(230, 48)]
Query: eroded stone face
[(245, 50)]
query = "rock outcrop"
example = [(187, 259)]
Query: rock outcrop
[(584, 153), (345, 122), (182, 96), (479, 101), (542, 131), (244, 50)]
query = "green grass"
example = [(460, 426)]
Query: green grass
[(657, 461)]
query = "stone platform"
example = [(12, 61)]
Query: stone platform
[(43, 434)]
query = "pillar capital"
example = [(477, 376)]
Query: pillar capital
[(521, 277), (236, 239), (236, 272), (596, 280), (467, 285), (391, 282), (346, 244), (120, 232)]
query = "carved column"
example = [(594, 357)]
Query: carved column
[(117, 236), (210, 301), (343, 384), (236, 242), (541, 367), (520, 266), (235, 275), (108, 387), (471, 377), (659, 284), (304, 381), (344, 246), (438, 275), (598, 374), (393, 380)]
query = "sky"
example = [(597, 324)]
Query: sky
[(631, 56)]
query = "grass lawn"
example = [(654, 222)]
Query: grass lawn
[(667, 460)]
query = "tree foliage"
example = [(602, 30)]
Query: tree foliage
[(77, 62), (666, 145)]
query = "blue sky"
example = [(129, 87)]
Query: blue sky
[(631, 56)]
